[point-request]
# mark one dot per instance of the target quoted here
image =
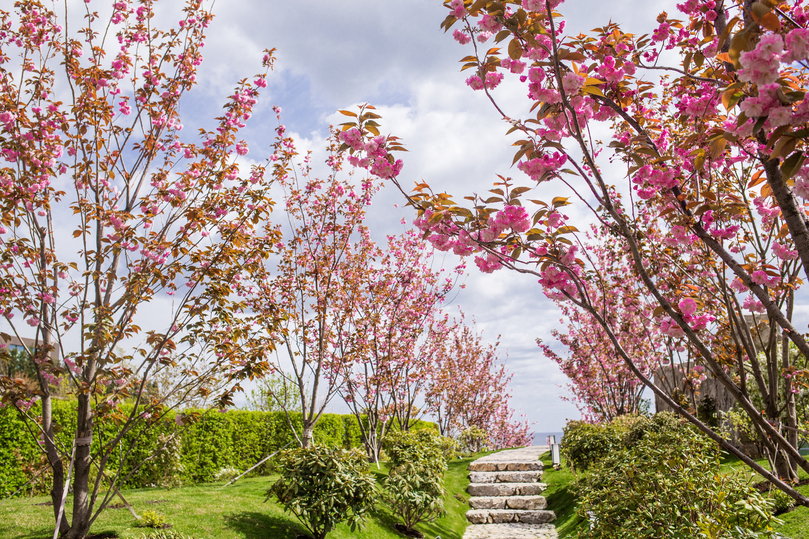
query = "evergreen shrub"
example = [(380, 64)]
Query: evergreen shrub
[(664, 481), (194, 452)]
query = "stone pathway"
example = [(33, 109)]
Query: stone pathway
[(506, 501)]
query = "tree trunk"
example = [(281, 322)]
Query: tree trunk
[(306, 438), (56, 463), (81, 482)]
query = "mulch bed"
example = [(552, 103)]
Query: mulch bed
[(766, 486), (401, 528)]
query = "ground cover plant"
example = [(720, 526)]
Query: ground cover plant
[(238, 511)]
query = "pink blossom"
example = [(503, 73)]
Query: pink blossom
[(493, 79), (515, 217), (738, 285), (461, 37), (780, 116), (475, 82), (572, 83), (353, 138), (783, 252), (759, 277), (753, 304), (555, 220), (515, 66), (33, 321), (537, 167), (760, 66), (669, 327), (687, 306), (458, 9), (801, 187), (489, 264), (797, 45), (487, 23)]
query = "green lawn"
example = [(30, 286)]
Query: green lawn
[(796, 522), (560, 497), (210, 511)]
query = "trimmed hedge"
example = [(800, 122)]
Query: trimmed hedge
[(235, 438)]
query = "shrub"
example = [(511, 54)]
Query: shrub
[(416, 493), (166, 468), (415, 484), (323, 486), (166, 534), (152, 519), (781, 501), (584, 444), (665, 483), (474, 439), (415, 446), (227, 473)]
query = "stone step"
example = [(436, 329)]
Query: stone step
[(505, 477), (484, 466), (500, 516), (510, 531), (508, 502), (506, 489)]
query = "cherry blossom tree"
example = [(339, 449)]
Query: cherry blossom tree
[(319, 278), (468, 387), (400, 295), (116, 233), (603, 387), (707, 116)]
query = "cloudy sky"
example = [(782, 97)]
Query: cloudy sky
[(392, 54)]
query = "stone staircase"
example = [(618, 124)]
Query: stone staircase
[(506, 497)]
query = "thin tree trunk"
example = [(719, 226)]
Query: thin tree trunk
[(81, 483), (308, 431)]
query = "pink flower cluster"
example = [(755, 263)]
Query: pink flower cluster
[(488, 264), (457, 9), (783, 252), (688, 309), (538, 167), (493, 80), (448, 237), (461, 37), (649, 181), (751, 303), (761, 65), (376, 159)]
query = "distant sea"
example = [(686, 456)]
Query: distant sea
[(541, 438)]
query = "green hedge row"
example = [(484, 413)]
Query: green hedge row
[(235, 438)]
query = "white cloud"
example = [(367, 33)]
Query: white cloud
[(394, 55)]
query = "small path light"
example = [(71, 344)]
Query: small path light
[(556, 459)]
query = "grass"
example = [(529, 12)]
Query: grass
[(796, 522), (561, 498), (210, 511)]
